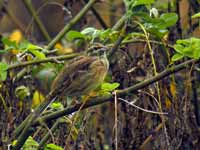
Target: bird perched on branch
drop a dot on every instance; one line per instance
(81, 76)
(78, 77)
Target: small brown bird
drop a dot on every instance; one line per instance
(78, 77)
(81, 76)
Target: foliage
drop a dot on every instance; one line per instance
(197, 15)
(144, 23)
(30, 144)
(187, 48)
(108, 88)
(130, 4)
(23, 46)
(53, 147)
(3, 71)
(57, 106)
(37, 99)
(21, 92)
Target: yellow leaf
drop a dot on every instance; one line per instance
(62, 50)
(168, 103)
(165, 37)
(74, 133)
(37, 99)
(29, 57)
(15, 51)
(14, 142)
(58, 46)
(20, 105)
(173, 88)
(67, 50)
(16, 36)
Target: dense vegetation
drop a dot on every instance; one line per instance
(149, 98)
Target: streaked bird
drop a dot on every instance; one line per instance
(81, 76)
(78, 77)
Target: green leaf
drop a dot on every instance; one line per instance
(177, 56)
(142, 2)
(88, 31)
(30, 144)
(3, 71)
(170, 19)
(92, 33)
(57, 106)
(37, 53)
(104, 34)
(2, 51)
(6, 41)
(109, 86)
(197, 15)
(52, 147)
(33, 47)
(188, 47)
(130, 4)
(22, 92)
(23, 45)
(196, 53)
(72, 35)
(178, 48)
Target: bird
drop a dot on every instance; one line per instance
(81, 76)
(78, 77)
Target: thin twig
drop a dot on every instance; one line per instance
(43, 30)
(116, 121)
(71, 24)
(150, 137)
(45, 60)
(46, 137)
(145, 110)
(98, 17)
(144, 41)
(150, 95)
(12, 16)
(118, 42)
(4, 103)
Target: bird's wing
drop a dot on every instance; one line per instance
(71, 74)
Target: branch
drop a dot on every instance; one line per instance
(131, 89)
(50, 59)
(48, 134)
(144, 41)
(118, 42)
(71, 23)
(98, 16)
(13, 17)
(29, 7)
(120, 23)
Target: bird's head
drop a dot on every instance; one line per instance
(101, 53)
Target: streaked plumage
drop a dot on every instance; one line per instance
(78, 77)
(81, 76)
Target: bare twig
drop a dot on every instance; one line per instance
(145, 110)
(98, 17)
(45, 60)
(37, 19)
(116, 121)
(150, 137)
(71, 23)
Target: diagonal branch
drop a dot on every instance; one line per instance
(71, 23)
(131, 89)
(45, 60)
(42, 28)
